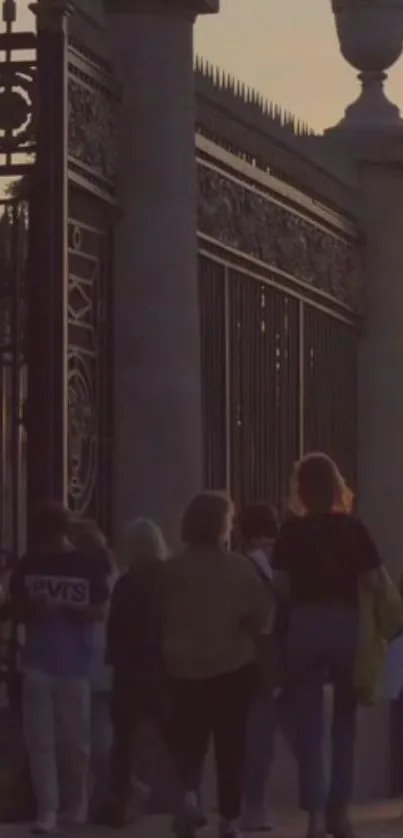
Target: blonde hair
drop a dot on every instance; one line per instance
(317, 485)
(144, 544)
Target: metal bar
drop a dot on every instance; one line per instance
(276, 283)
(94, 72)
(3, 453)
(15, 381)
(274, 190)
(301, 380)
(12, 41)
(227, 350)
(47, 408)
(82, 182)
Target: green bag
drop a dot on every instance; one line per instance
(380, 621)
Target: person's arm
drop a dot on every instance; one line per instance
(25, 607)
(95, 610)
(113, 625)
(258, 602)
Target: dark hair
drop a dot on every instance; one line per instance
(204, 519)
(50, 520)
(90, 540)
(257, 520)
(320, 485)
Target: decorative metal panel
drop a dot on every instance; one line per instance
(246, 219)
(89, 367)
(285, 331)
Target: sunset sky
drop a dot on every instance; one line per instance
(288, 50)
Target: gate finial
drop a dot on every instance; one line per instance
(9, 12)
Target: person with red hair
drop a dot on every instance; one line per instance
(322, 556)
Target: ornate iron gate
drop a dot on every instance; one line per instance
(279, 291)
(17, 150)
(56, 259)
(57, 177)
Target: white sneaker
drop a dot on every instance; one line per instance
(46, 825)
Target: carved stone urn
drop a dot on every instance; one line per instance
(370, 34)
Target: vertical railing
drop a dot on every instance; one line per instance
(47, 327)
(279, 380)
(212, 303)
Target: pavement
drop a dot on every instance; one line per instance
(373, 820)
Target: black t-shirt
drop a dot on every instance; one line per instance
(324, 557)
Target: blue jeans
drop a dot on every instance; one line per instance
(101, 743)
(266, 716)
(322, 647)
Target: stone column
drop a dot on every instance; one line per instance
(380, 405)
(371, 135)
(157, 445)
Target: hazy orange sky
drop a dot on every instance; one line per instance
(288, 50)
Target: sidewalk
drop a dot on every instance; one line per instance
(374, 820)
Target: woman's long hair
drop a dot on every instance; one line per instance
(144, 545)
(317, 486)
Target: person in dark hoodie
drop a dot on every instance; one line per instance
(134, 651)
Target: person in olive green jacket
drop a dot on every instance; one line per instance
(215, 606)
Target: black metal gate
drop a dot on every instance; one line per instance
(18, 96)
(279, 297)
(58, 102)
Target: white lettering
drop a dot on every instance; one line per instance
(66, 590)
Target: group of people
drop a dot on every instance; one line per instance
(208, 643)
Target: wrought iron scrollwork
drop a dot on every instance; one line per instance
(92, 128)
(18, 106)
(87, 303)
(242, 218)
(17, 98)
(82, 423)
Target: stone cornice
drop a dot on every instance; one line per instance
(376, 146)
(52, 15)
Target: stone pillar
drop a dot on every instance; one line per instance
(371, 134)
(380, 405)
(157, 445)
